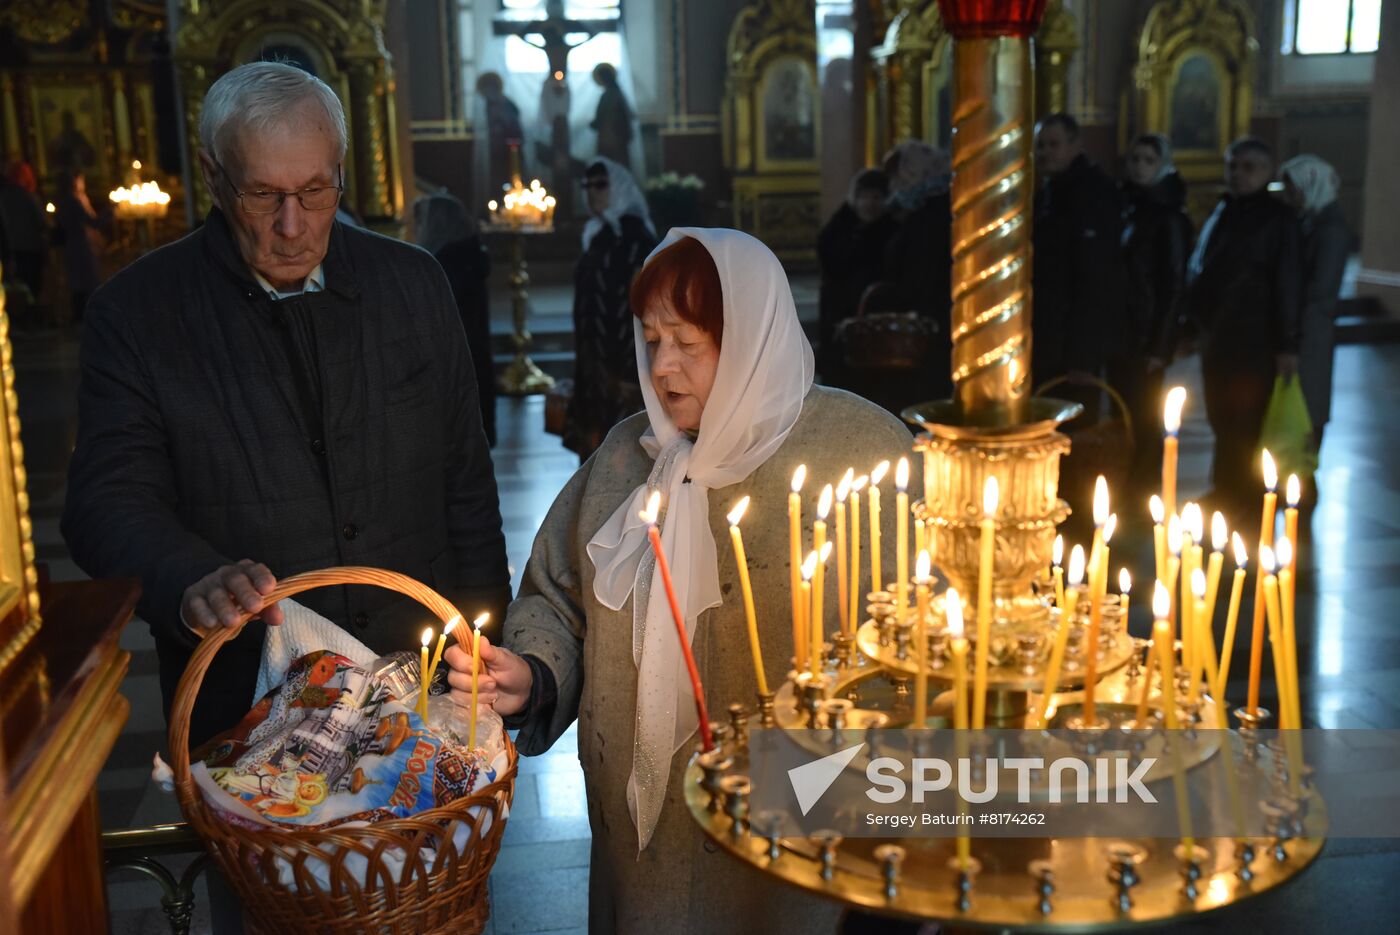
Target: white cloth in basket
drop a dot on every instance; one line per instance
(303, 631)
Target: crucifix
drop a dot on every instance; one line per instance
(552, 34)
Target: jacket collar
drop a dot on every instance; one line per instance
(338, 273)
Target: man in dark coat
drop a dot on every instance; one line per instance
(1243, 286)
(276, 393)
(1079, 277)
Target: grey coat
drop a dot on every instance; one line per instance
(333, 428)
(1326, 243)
(682, 883)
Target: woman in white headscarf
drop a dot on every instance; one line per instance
(616, 240)
(1310, 185)
(731, 411)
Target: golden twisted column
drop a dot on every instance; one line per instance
(991, 196)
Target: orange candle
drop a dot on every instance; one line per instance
(649, 515)
(1171, 421)
(1293, 492)
(1266, 538)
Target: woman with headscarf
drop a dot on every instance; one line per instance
(851, 252)
(731, 411)
(82, 231)
(443, 227)
(1310, 185)
(616, 240)
(1156, 241)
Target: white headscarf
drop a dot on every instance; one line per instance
(625, 197)
(1315, 179)
(764, 372)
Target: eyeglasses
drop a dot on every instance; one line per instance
(269, 202)
(598, 184)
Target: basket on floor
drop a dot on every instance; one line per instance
(444, 893)
(1097, 446)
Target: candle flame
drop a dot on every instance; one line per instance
(843, 489)
(1219, 531)
(451, 625)
(1100, 501)
(1284, 552)
(922, 566)
(1057, 551)
(824, 503)
(1125, 581)
(1270, 471)
(879, 473)
(809, 566)
(825, 553)
(737, 513)
(136, 164)
(1174, 535)
(1198, 583)
(1076, 566)
(1161, 601)
(1267, 561)
(427, 635)
(859, 483)
(1171, 411)
(991, 495)
(901, 474)
(1241, 556)
(799, 477)
(1110, 527)
(653, 508)
(1193, 522)
(1294, 491)
(49, 207)
(1155, 507)
(481, 620)
(491, 205)
(953, 610)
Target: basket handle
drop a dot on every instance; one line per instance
(188, 690)
(1108, 391)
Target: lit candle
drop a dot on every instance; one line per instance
(1057, 554)
(441, 645)
(1057, 652)
(957, 645)
(1219, 538)
(1159, 536)
(921, 541)
(1197, 661)
(901, 535)
(1171, 421)
(1098, 571)
(1285, 554)
(809, 569)
(649, 515)
(1266, 537)
(1268, 566)
(990, 496)
(1125, 589)
(922, 566)
(1173, 563)
(1162, 637)
(1232, 615)
(477, 624)
(1100, 518)
(1293, 492)
(856, 592)
(1205, 652)
(746, 586)
(843, 611)
(877, 581)
(423, 675)
(799, 636)
(1161, 643)
(1192, 523)
(819, 544)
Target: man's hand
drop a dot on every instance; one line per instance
(222, 597)
(503, 682)
(1287, 365)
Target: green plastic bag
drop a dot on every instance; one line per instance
(1287, 431)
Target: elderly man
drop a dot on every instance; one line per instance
(274, 393)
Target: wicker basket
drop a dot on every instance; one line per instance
(446, 894)
(1104, 446)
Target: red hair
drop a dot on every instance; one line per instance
(685, 277)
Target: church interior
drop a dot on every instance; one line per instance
(555, 136)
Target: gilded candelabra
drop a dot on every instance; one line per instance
(521, 211)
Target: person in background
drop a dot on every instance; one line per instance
(616, 241)
(851, 252)
(1310, 186)
(1156, 241)
(503, 128)
(26, 231)
(1078, 274)
(613, 120)
(81, 230)
(1244, 285)
(442, 226)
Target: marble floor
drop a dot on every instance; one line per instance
(1349, 648)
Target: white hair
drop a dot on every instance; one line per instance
(260, 95)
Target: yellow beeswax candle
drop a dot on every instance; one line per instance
(1057, 652)
(1159, 537)
(477, 624)
(799, 636)
(1171, 422)
(877, 581)
(921, 618)
(1289, 631)
(423, 674)
(1232, 614)
(856, 592)
(1266, 538)
(819, 544)
(843, 610)
(809, 568)
(987, 557)
(441, 645)
(1293, 492)
(740, 559)
(901, 535)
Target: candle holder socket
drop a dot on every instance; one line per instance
(1123, 861)
(891, 858)
(1191, 858)
(765, 709)
(964, 879)
(713, 764)
(736, 791)
(827, 843)
(769, 825)
(1244, 857)
(739, 725)
(1042, 871)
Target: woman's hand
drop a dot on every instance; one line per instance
(504, 680)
